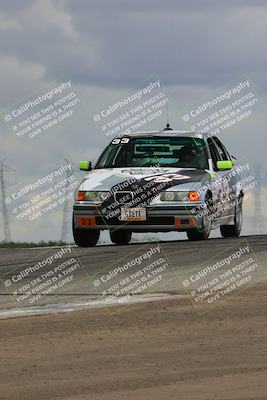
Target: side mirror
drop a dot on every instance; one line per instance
(85, 165)
(224, 165)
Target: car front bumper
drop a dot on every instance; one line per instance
(159, 219)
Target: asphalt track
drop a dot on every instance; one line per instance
(150, 350)
(183, 257)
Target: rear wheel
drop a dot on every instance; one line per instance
(85, 237)
(204, 232)
(234, 230)
(120, 237)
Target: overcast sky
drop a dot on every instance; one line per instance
(107, 47)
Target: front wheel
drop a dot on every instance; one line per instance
(234, 230)
(85, 237)
(204, 232)
(120, 237)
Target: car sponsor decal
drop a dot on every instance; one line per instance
(140, 192)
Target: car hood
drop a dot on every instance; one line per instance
(106, 179)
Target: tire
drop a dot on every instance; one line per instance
(196, 234)
(85, 237)
(234, 230)
(120, 237)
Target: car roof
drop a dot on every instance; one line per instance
(167, 132)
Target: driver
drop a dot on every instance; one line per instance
(186, 155)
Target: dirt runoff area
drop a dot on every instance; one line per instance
(148, 351)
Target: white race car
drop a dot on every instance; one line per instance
(158, 182)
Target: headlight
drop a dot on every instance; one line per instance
(170, 196)
(94, 197)
(179, 196)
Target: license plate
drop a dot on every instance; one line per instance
(133, 214)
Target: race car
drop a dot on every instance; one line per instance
(161, 181)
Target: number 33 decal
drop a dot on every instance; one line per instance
(120, 141)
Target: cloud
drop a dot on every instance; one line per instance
(16, 75)
(7, 23)
(44, 15)
(119, 43)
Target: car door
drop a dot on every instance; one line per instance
(229, 180)
(217, 184)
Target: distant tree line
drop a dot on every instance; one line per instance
(32, 244)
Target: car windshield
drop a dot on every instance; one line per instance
(181, 152)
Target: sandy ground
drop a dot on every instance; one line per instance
(158, 350)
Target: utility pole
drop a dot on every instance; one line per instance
(258, 214)
(64, 229)
(3, 168)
